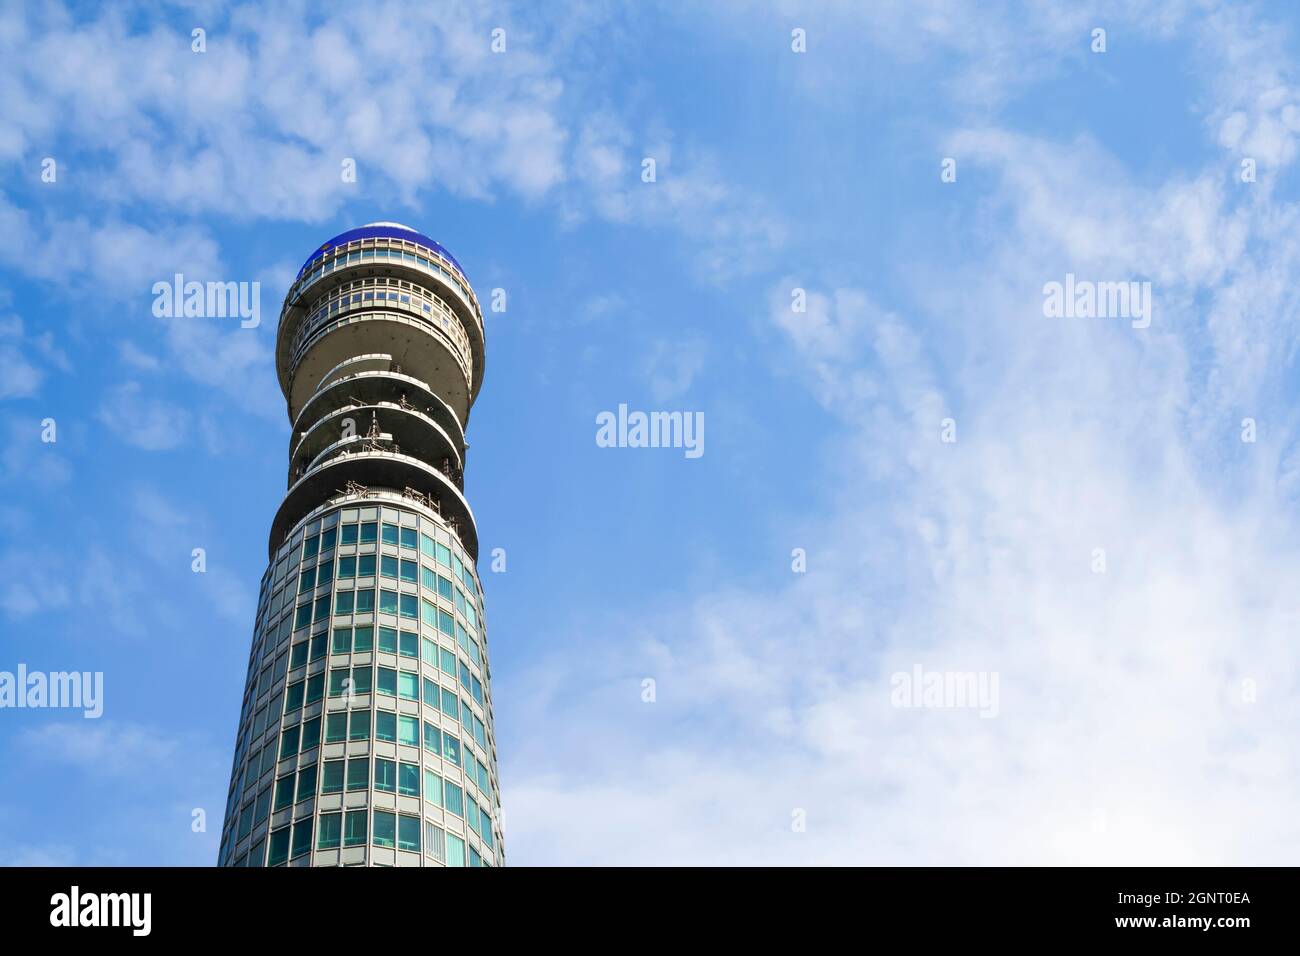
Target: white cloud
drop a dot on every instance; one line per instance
(147, 423)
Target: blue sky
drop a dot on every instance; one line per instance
(1146, 711)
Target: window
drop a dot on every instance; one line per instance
(408, 731)
(338, 681)
(388, 640)
(368, 531)
(331, 780)
(409, 606)
(455, 851)
(451, 748)
(360, 725)
(364, 639)
(349, 534)
(365, 601)
(310, 546)
(433, 788)
(408, 779)
(298, 655)
(322, 610)
(408, 833)
(388, 566)
(361, 678)
(366, 566)
(450, 703)
(431, 695)
(390, 534)
(432, 739)
(410, 571)
(343, 602)
(385, 828)
(279, 847)
(444, 555)
(385, 775)
(385, 725)
(336, 727)
(327, 539)
(485, 827)
(348, 567)
(342, 643)
(428, 579)
(310, 733)
(428, 613)
(354, 828)
(324, 573)
(448, 661)
(408, 645)
(446, 623)
(306, 783)
(284, 792)
(429, 652)
(289, 742)
(387, 602)
(453, 798)
(426, 546)
(388, 681)
(358, 773)
(315, 688)
(408, 685)
(307, 581)
(318, 643)
(301, 837)
(331, 831)
(293, 696)
(302, 617)
(409, 536)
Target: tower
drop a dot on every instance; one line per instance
(366, 733)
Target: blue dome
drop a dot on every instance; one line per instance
(382, 230)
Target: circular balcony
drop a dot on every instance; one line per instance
(418, 348)
(356, 473)
(368, 379)
(411, 430)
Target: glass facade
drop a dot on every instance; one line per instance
(366, 734)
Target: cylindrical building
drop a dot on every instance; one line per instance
(366, 734)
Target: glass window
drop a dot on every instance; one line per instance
(428, 579)
(279, 847)
(453, 798)
(342, 643)
(344, 602)
(450, 703)
(388, 566)
(448, 661)
(298, 655)
(289, 742)
(302, 617)
(364, 639)
(408, 730)
(284, 792)
(444, 587)
(388, 681)
(293, 696)
(310, 734)
(433, 842)
(361, 679)
(301, 837)
(327, 539)
(366, 566)
(331, 780)
(426, 545)
(451, 748)
(336, 727)
(408, 685)
(429, 652)
(446, 623)
(358, 773)
(390, 534)
(354, 828)
(385, 725)
(306, 581)
(432, 739)
(388, 640)
(408, 779)
(408, 833)
(263, 809)
(444, 555)
(365, 603)
(409, 536)
(368, 532)
(410, 571)
(338, 681)
(409, 606)
(385, 827)
(387, 602)
(348, 567)
(360, 725)
(385, 775)
(431, 695)
(315, 688)
(409, 644)
(433, 788)
(349, 535)
(428, 613)
(318, 645)
(324, 573)
(306, 783)
(455, 851)
(331, 831)
(310, 546)
(322, 610)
